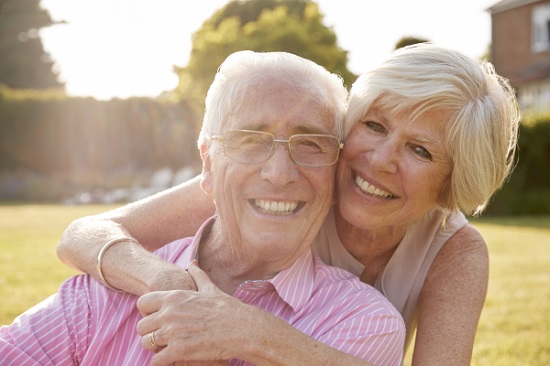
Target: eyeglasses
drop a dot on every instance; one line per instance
(309, 150)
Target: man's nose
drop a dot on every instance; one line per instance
(279, 169)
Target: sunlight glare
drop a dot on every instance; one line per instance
(128, 48)
(123, 48)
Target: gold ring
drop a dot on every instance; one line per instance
(152, 340)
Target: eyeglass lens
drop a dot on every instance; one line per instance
(305, 149)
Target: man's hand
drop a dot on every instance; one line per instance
(190, 326)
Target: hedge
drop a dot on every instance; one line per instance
(528, 190)
(83, 143)
(86, 143)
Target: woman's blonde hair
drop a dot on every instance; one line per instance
(481, 108)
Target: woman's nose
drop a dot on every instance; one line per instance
(384, 156)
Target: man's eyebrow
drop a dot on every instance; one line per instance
(308, 130)
(301, 129)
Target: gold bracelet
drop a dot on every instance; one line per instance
(100, 257)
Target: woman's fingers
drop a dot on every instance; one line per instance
(200, 277)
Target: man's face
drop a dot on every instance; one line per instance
(274, 208)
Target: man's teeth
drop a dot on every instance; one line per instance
(369, 188)
(276, 207)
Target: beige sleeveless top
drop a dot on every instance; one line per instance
(403, 277)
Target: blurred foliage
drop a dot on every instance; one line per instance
(528, 188)
(24, 63)
(407, 41)
(294, 26)
(82, 143)
(51, 144)
(487, 55)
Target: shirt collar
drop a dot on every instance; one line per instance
(296, 284)
(193, 248)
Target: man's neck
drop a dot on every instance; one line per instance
(228, 264)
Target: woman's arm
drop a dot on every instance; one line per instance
(451, 301)
(152, 222)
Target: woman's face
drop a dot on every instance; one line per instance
(392, 170)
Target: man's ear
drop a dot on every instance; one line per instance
(206, 182)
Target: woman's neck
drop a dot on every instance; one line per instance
(372, 248)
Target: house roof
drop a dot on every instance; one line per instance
(509, 4)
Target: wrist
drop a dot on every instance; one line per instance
(257, 343)
(99, 262)
(129, 267)
(167, 276)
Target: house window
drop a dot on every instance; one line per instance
(541, 28)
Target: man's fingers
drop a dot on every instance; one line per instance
(150, 303)
(152, 341)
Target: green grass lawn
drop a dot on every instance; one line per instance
(29, 268)
(515, 323)
(514, 327)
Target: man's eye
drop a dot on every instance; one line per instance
(252, 141)
(375, 126)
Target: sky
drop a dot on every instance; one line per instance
(124, 48)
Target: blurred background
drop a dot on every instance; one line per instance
(101, 101)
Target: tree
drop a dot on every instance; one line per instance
(294, 26)
(407, 41)
(487, 55)
(24, 63)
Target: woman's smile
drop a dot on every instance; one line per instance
(371, 189)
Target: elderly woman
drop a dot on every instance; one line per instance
(270, 140)
(431, 136)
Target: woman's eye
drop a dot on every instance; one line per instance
(375, 126)
(421, 152)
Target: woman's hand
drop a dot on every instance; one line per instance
(191, 326)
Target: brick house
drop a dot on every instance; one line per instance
(520, 32)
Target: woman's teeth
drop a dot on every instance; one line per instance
(276, 207)
(366, 187)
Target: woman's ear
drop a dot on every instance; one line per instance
(206, 182)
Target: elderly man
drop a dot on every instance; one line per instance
(271, 135)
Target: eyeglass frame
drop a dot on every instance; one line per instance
(222, 137)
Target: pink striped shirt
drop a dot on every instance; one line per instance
(87, 324)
